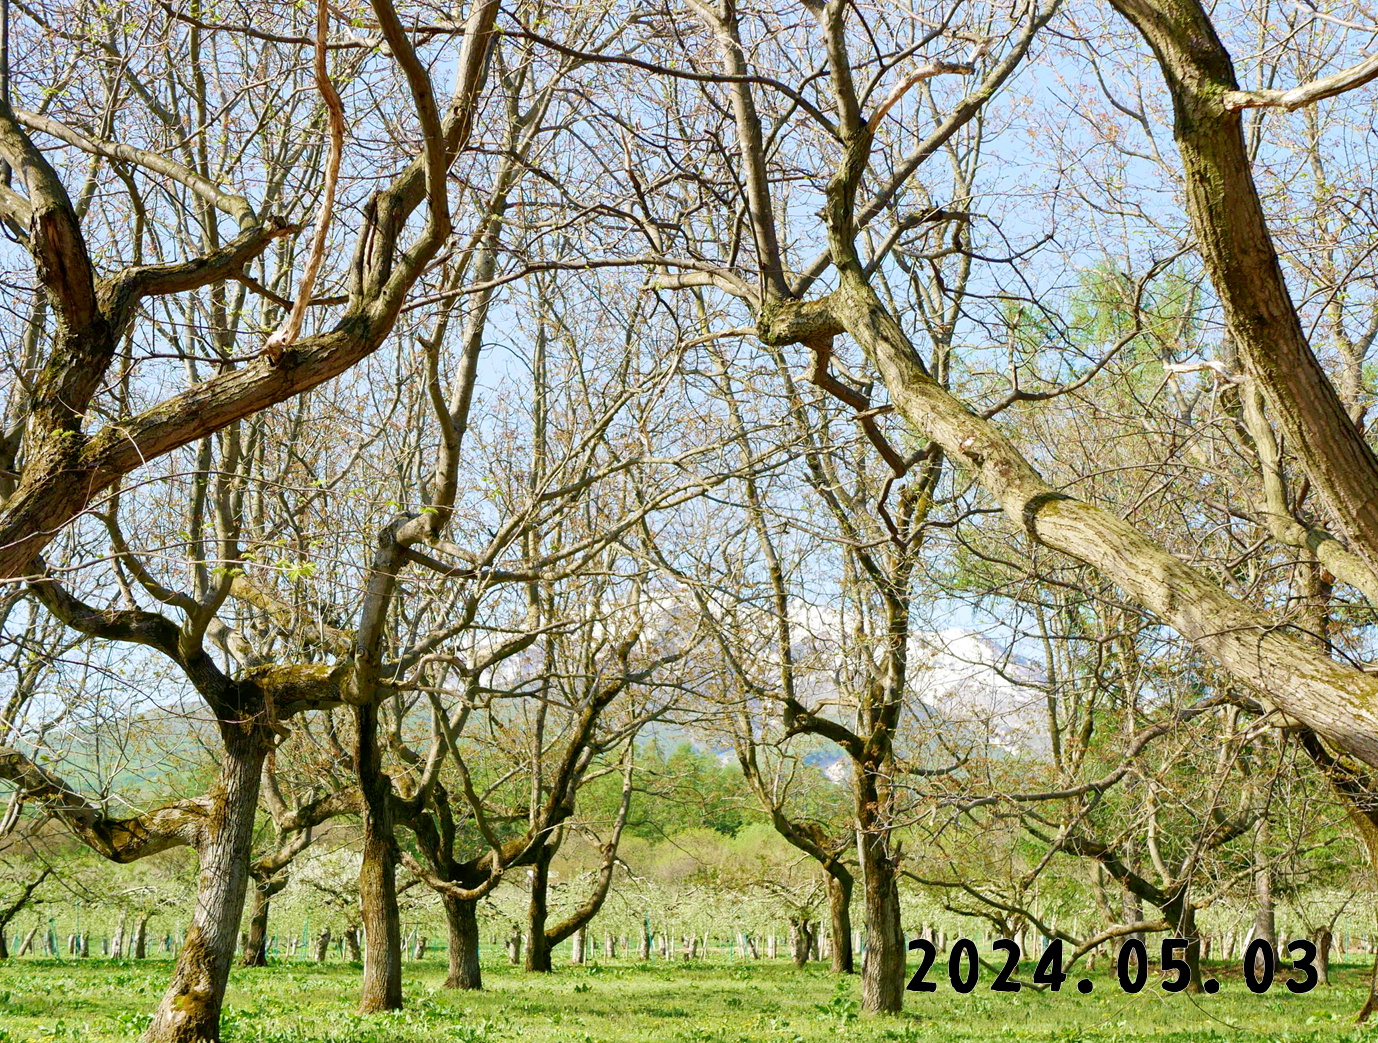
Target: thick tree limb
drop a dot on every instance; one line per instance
(1305, 93)
(1238, 253)
(120, 840)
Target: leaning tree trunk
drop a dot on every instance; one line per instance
(537, 944)
(1356, 792)
(882, 969)
(190, 1009)
(382, 985)
(840, 919)
(256, 945)
(462, 917)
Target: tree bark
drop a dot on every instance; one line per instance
(537, 945)
(256, 944)
(1183, 915)
(190, 1009)
(140, 943)
(799, 941)
(382, 984)
(462, 917)
(1324, 940)
(1265, 919)
(840, 920)
(882, 968)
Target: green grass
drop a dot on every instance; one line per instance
(622, 1002)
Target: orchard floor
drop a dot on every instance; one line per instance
(45, 1000)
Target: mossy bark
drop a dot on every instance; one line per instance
(840, 919)
(537, 944)
(462, 917)
(382, 983)
(190, 1009)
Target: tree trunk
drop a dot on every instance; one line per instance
(1324, 940)
(644, 951)
(462, 917)
(609, 947)
(799, 939)
(1265, 918)
(323, 945)
(190, 1009)
(382, 985)
(514, 947)
(1265, 922)
(537, 946)
(882, 968)
(351, 941)
(576, 944)
(140, 943)
(1132, 907)
(419, 953)
(1372, 1001)
(28, 943)
(117, 943)
(1184, 917)
(256, 944)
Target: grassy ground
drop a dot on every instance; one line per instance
(678, 1003)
